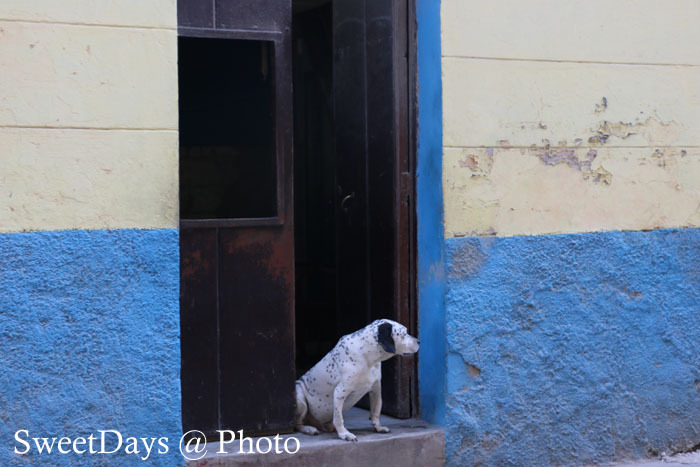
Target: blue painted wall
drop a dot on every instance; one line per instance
(572, 348)
(431, 280)
(89, 339)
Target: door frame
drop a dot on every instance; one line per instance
(406, 93)
(410, 187)
(406, 87)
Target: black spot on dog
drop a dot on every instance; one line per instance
(385, 339)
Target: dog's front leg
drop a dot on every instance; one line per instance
(339, 395)
(375, 407)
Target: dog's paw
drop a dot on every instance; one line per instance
(347, 436)
(381, 429)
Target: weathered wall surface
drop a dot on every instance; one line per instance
(89, 340)
(578, 119)
(572, 349)
(89, 329)
(88, 115)
(558, 114)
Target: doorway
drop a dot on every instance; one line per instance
(296, 227)
(354, 179)
(353, 182)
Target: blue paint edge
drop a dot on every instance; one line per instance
(90, 339)
(432, 363)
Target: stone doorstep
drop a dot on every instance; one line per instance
(677, 460)
(411, 442)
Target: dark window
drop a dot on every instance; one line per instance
(227, 138)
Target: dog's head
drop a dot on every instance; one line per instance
(395, 339)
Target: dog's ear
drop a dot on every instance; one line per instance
(385, 339)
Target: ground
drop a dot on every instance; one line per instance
(688, 458)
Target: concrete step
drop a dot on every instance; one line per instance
(411, 442)
(677, 460)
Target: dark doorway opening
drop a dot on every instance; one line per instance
(317, 324)
(353, 179)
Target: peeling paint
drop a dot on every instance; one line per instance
(583, 164)
(515, 184)
(600, 108)
(653, 130)
(473, 371)
(479, 163)
(553, 157)
(666, 156)
(470, 162)
(600, 175)
(468, 259)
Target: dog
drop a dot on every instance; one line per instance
(346, 374)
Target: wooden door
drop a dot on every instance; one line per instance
(374, 177)
(236, 227)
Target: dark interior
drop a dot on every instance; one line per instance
(227, 139)
(314, 184)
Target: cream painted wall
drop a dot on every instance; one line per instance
(88, 114)
(570, 116)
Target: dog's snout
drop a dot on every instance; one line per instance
(418, 341)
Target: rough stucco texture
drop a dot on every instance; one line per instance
(572, 349)
(89, 339)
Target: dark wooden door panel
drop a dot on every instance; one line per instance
(256, 325)
(250, 15)
(198, 330)
(237, 273)
(350, 122)
(262, 15)
(195, 14)
(374, 176)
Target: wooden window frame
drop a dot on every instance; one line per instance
(275, 38)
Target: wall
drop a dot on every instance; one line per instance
(89, 315)
(571, 183)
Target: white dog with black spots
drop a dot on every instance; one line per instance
(346, 374)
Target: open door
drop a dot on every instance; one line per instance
(374, 214)
(236, 220)
(353, 179)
